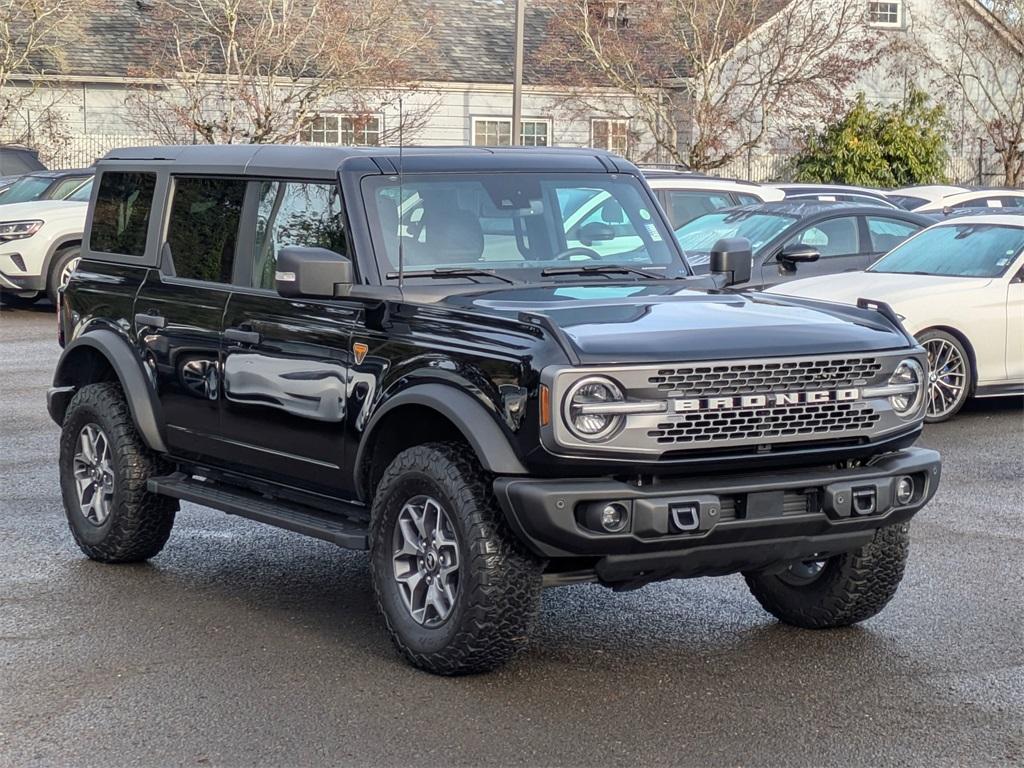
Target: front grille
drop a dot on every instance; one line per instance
(756, 378)
(765, 423)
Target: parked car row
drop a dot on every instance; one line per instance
(805, 239)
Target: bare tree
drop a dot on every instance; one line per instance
(34, 38)
(260, 71)
(974, 55)
(707, 78)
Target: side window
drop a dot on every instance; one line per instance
(65, 187)
(1012, 202)
(121, 216)
(834, 237)
(685, 206)
(886, 233)
(744, 199)
(600, 225)
(295, 213)
(979, 202)
(203, 227)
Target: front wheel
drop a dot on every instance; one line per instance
(458, 592)
(838, 591)
(65, 262)
(949, 374)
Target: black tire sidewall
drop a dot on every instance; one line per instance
(78, 418)
(418, 638)
(968, 365)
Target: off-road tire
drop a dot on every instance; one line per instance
(139, 522)
(60, 259)
(851, 587)
(498, 595)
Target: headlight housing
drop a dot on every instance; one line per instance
(18, 230)
(588, 408)
(909, 377)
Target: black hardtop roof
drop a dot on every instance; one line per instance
(325, 162)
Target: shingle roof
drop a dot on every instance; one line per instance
(473, 41)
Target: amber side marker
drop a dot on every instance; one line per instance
(545, 405)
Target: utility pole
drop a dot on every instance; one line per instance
(517, 81)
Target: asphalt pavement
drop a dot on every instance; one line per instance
(242, 645)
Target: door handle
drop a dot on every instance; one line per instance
(154, 321)
(243, 337)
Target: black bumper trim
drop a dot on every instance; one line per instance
(544, 512)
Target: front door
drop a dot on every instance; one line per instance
(838, 242)
(179, 311)
(286, 361)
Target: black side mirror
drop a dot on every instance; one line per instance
(310, 272)
(795, 254)
(595, 232)
(732, 257)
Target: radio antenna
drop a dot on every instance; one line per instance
(401, 196)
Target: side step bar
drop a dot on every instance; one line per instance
(345, 531)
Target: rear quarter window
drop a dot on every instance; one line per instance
(120, 218)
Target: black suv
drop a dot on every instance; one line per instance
(455, 359)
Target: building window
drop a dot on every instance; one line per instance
(348, 130)
(885, 14)
(610, 14)
(612, 135)
(497, 132)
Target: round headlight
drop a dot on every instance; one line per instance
(590, 423)
(908, 373)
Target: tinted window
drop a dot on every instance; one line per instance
(65, 187)
(886, 234)
(908, 202)
(121, 216)
(203, 227)
(835, 237)
(979, 202)
(295, 213)
(1012, 202)
(687, 205)
(957, 250)
(744, 199)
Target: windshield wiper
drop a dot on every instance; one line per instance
(596, 269)
(443, 272)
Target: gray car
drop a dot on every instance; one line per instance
(791, 239)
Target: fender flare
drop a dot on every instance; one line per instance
(142, 400)
(469, 416)
(63, 241)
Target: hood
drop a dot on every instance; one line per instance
(892, 288)
(37, 209)
(671, 321)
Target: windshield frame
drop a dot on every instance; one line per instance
(677, 266)
(944, 225)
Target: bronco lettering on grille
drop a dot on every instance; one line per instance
(770, 400)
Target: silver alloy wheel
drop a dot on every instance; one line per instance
(426, 560)
(947, 376)
(65, 273)
(94, 474)
(803, 572)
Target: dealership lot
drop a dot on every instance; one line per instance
(243, 645)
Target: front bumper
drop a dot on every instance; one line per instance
(732, 523)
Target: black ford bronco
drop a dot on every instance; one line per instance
(493, 369)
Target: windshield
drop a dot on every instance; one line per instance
(82, 193)
(27, 188)
(511, 222)
(699, 236)
(956, 250)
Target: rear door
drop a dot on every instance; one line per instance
(883, 233)
(180, 309)
(287, 361)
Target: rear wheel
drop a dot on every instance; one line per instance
(838, 591)
(104, 467)
(949, 374)
(458, 592)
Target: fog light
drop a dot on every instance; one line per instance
(614, 518)
(904, 490)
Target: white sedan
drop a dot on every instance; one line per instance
(959, 287)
